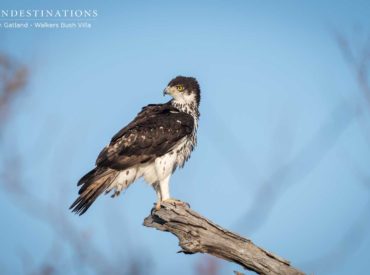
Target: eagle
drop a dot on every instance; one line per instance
(159, 139)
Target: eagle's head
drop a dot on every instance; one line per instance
(184, 90)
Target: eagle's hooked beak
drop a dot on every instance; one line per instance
(166, 91)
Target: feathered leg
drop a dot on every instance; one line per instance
(162, 190)
(158, 193)
(164, 186)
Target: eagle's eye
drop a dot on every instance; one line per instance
(180, 88)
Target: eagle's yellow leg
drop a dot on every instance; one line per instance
(158, 205)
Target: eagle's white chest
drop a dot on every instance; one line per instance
(164, 166)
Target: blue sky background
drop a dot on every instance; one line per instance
(271, 75)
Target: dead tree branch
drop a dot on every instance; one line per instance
(200, 235)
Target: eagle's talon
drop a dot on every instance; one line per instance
(158, 206)
(176, 202)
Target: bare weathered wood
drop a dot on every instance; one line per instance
(197, 234)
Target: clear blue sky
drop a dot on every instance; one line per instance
(271, 75)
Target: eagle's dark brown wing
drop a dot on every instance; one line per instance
(154, 132)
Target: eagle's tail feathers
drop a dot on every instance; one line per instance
(94, 183)
(87, 176)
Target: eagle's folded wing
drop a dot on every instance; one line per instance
(155, 131)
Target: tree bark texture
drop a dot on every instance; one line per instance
(197, 234)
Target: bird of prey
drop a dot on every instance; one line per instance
(159, 139)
